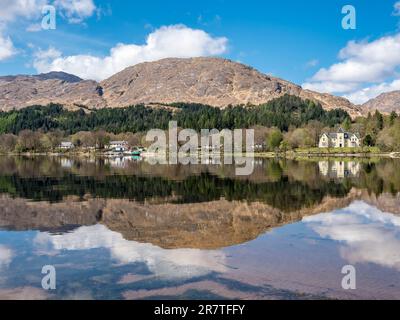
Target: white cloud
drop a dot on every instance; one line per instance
(364, 62)
(368, 235)
(73, 10)
(176, 41)
(51, 53)
(368, 93)
(330, 86)
(76, 10)
(363, 67)
(170, 264)
(7, 49)
(6, 256)
(12, 9)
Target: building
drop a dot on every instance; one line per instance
(66, 145)
(118, 146)
(340, 139)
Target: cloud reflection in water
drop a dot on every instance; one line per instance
(169, 264)
(368, 234)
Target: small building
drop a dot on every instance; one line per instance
(67, 145)
(339, 139)
(118, 146)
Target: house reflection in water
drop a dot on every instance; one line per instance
(66, 163)
(339, 169)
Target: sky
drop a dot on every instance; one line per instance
(300, 41)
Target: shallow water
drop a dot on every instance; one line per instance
(123, 229)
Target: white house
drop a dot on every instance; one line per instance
(340, 139)
(66, 145)
(118, 146)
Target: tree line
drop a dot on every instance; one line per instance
(282, 113)
(285, 123)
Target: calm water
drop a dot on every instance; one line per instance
(123, 229)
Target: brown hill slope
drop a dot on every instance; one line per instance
(213, 81)
(385, 103)
(17, 92)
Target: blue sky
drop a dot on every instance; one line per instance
(290, 39)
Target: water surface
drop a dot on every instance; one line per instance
(123, 229)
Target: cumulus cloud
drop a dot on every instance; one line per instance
(44, 57)
(365, 94)
(363, 65)
(12, 9)
(368, 235)
(6, 256)
(176, 41)
(73, 10)
(76, 10)
(7, 49)
(169, 264)
(331, 87)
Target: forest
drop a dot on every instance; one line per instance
(287, 111)
(285, 123)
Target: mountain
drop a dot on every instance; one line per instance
(54, 75)
(213, 81)
(17, 92)
(385, 103)
(58, 76)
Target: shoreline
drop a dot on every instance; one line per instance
(266, 155)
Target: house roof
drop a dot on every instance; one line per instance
(333, 135)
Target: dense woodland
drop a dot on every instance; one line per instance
(281, 113)
(287, 122)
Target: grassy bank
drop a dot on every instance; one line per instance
(299, 154)
(340, 153)
(335, 151)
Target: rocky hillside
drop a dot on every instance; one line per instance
(17, 92)
(212, 81)
(385, 103)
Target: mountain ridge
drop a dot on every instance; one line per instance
(211, 81)
(385, 103)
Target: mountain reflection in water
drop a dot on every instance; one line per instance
(126, 229)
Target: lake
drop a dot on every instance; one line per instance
(124, 229)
